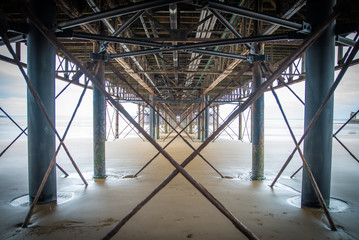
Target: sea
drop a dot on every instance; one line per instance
(82, 128)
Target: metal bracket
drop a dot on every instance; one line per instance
(307, 28)
(256, 57)
(99, 57)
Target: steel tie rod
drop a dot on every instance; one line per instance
(335, 136)
(305, 163)
(306, 44)
(316, 116)
(49, 35)
(179, 168)
(39, 101)
(198, 114)
(178, 133)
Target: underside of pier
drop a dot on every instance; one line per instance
(179, 62)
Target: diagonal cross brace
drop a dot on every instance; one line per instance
(340, 142)
(174, 129)
(316, 116)
(40, 103)
(179, 125)
(179, 168)
(305, 164)
(44, 180)
(183, 129)
(23, 131)
(305, 45)
(228, 126)
(50, 36)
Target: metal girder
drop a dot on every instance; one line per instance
(253, 15)
(249, 58)
(174, 26)
(24, 65)
(240, 109)
(98, 37)
(120, 61)
(121, 29)
(116, 12)
(88, 28)
(193, 47)
(314, 119)
(345, 41)
(18, 38)
(271, 29)
(229, 26)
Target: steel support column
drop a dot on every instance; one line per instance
(117, 124)
(99, 126)
(203, 121)
(319, 78)
(206, 119)
(257, 127)
(199, 127)
(191, 124)
(213, 119)
(240, 126)
(139, 114)
(41, 71)
(152, 120)
(157, 123)
(166, 125)
(143, 116)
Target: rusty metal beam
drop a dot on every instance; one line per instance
(168, 123)
(296, 7)
(43, 109)
(88, 28)
(305, 164)
(331, 91)
(179, 168)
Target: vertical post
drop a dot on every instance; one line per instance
(158, 123)
(99, 126)
(18, 50)
(206, 118)
(66, 75)
(199, 127)
(290, 78)
(214, 118)
(139, 115)
(143, 116)
(217, 117)
(303, 63)
(202, 122)
(41, 71)
(166, 125)
(117, 124)
(240, 126)
(152, 120)
(191, 125)
(340, 55)
(319, 78)
(257, 128)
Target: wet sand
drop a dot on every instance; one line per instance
(179, 211)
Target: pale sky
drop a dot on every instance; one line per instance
(13, 95)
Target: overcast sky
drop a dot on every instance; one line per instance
(13, 95)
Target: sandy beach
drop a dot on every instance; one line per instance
(179, 211)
